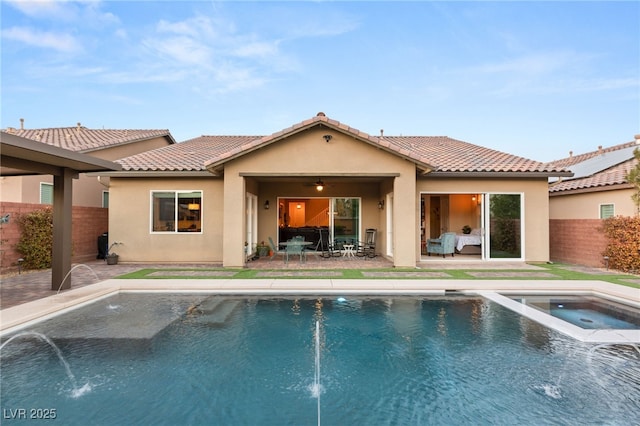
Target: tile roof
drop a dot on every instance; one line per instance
(189, 155)
(82, 139)
(440, 154)
(615, 174)
(452, 155)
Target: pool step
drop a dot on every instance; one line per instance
(215, 310)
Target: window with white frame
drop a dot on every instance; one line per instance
(46, 193)
(176, 211)
(606, 211)
(105, 199)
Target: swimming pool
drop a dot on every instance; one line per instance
(200, 359)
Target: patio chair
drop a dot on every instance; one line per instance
(326, 248)
(295, 250)
(444, 245)
(275, 249)
(368, 247)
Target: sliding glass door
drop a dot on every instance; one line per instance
(503, 226)
(345, 219)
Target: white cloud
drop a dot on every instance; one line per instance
(606, 84)
(198, 26)
(41, 8)
(533, 64)
(184, 50)
(256, 49)
(211, 51)
(84, 12)
(543, 73)
(44, 39)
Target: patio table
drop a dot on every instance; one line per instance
(302, 245)
(348, 250)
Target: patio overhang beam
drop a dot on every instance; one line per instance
(493, 175)
(316, 174)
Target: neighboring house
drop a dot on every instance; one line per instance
(23, 194)
(106, 144)
(598, 190)
(213, 198)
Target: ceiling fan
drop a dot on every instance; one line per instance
(319, 184)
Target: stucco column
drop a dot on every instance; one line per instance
(234, 220)
(405, 202)
(62, 211)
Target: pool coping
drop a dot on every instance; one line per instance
(22, 315)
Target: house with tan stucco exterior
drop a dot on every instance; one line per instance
(214, 198)
(578, 204)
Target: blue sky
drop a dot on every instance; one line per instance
(535, 79)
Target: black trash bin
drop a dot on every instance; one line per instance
(103, 246)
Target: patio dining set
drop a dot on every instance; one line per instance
(324, 247)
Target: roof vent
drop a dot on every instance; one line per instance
(637, 139)
(22, 124)
(78, 127)
(381, 133)
(570, 154)
(599, 149)
(321, 114)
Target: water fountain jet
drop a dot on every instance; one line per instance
(77, 391)
(316, 381)
(71, 270)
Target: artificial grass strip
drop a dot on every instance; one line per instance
(547, 272)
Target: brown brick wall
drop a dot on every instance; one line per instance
(577, 241)
(88, 223)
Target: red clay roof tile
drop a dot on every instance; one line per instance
(82, 139)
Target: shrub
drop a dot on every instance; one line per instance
(623, 243)
(36, 238)
(634, 178)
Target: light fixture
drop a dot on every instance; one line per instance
(327, 138)
(266, 205)
(193, 206)
(381, 204)
(299, 206)
(319, 185)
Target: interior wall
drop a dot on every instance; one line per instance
(463, 210)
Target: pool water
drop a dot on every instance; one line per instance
(588, 312)
(251, 361)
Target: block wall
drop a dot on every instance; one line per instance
(577, 241)
(88, 223)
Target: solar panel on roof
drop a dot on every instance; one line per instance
(601, 162)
